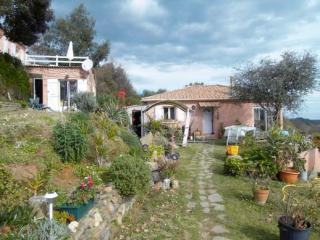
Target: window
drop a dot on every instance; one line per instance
(67, 91)
(260, 119)
(169, 113)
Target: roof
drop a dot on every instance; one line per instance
(193, 93)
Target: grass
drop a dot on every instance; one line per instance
(245, 219)
(164, 215)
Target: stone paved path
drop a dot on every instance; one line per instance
(211, 202)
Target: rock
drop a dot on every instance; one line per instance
(110, 207)
(191, 205)
(147, 139)
(73, 226)
(156, 176)
(218, 207)
(215, 197)
(218, 229)
(120, 214)
(157, 186)
(108, 189)
(97, 219)
(175, 184)
(166, 184)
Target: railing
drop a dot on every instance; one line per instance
(40, 60)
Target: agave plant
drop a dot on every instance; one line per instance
(115, 112)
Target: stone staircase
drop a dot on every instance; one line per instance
(6, 107)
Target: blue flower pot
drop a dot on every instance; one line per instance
(288, 232)
(77, 211)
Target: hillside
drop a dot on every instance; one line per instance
(305, 125)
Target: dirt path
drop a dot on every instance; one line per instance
(212, 221)
(195, 211)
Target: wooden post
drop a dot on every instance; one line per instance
(186, 129)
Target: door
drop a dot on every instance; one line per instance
(207, 121)
(38, 89)
(53, 94)
(136, 122)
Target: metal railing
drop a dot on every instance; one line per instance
(40, 60)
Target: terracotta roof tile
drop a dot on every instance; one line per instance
(195, 92)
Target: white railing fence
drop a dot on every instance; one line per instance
(36, 60)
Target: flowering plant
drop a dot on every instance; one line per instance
(83, 193)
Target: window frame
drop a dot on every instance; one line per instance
(266, 124)
(167, 113)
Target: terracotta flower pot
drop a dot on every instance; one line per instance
(289, 176)
(261, 195)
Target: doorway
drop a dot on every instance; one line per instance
(38, 89)
(207, 120)
(136, 122)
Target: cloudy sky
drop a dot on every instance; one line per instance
(169, 43)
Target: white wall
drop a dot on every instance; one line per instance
(159, 112)
(180, 115)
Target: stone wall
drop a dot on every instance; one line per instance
(101, 221)
(312, 158)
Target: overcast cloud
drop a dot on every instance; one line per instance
(170, 43)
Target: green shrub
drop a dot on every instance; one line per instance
(102, 123)
(130, 175)
(129, 138)
(69, 142)
(153, 125)
(82, 120)
(10, 196)
(114, 111)
(44, 229)
(234, 166)
(13, 78)
(85, 101)
(12, 199)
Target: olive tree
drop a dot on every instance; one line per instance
(277, 85)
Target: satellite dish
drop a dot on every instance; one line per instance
(87, 64)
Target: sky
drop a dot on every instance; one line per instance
(170, 43)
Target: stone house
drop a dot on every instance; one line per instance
(211, 107)
(53, 79)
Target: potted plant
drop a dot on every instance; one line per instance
(289, 157)
(81, 200)
(293, 224)
(261, 190)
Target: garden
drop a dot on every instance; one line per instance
(273, 166)
(89, 159)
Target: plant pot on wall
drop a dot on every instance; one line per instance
(261, 195)
(77, 211)
(288, 232)
(289, 175)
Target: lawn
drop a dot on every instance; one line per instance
(245, 219)
(165, 215)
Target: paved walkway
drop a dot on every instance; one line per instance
(211, 202)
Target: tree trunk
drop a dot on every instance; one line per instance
(279, 117)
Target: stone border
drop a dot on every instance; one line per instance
(98, 224)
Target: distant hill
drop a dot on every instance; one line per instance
(305, 125)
